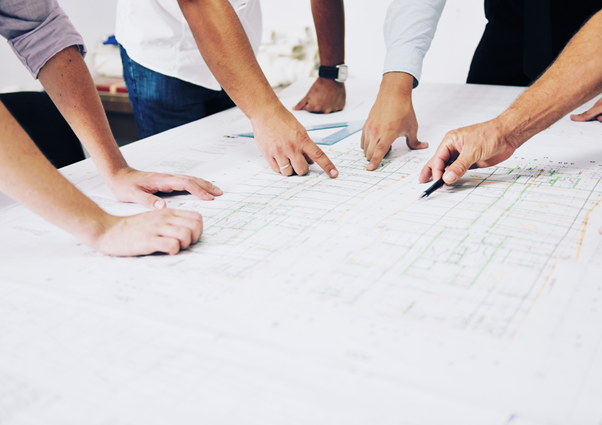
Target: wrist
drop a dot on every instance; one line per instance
(110, 165)
(327, 82)
(397, 84)
(513, 127)
(395, 91)
(337, 73)
(96, 226)
(269, 113)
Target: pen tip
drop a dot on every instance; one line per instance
(424, 195)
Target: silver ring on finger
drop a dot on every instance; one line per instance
(285, 167)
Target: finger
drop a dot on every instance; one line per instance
(588, 115)
(316, 109)
(299, 164)
(169, 246)
(182, 234)
(318, 156)
(191, 215)
(200, 188)
(460, 166)
(413, 142)
(376, 155)
(370, 148)
(194, 221)
(284, 166)
(369, 140)
(302, 103)
(192, 225)
(600, 230)
(425, 173)
(148, 200)
(273, 165)
(436, 165)
(308, 159)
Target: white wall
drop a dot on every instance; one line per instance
(448, 60)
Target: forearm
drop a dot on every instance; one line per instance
(329, 19)
(68, 82)
(28, 177)
(573, 79)
(225, 48)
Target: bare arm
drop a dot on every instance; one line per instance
(225, 48)
(28, 177)
(68, 82)
(326, 96)
(572, 80)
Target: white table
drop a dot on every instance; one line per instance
(314, 301)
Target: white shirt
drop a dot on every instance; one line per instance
(155, 34)
(410, 26)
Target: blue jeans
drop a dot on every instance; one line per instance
(161, 102)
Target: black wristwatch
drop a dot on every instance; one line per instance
(337, 73)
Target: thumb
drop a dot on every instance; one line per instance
(413, 142)
(149, 200)
(299, 106)
(587, 115)
(460, 166)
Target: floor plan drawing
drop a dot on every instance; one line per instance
(336, 292)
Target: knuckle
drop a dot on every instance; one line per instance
(318, 153)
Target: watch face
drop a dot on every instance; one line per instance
(342, 73)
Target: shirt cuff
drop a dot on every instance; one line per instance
(38, 46)
(405, 59)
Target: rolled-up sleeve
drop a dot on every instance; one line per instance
(37, 30)
(410, 26)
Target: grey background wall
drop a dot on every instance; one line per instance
(448, 60)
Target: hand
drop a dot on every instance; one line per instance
(595, 112)
(129, 185)
(166, 231)
(391, 117)
(324, 96)
(284, 143)
(476, 146)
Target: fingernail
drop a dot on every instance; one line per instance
(217, 189)
(450, 176)
(334, 173)
(159, 204)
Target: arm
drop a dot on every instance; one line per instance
(49, 46)
(409, 30)
(572, 80)
(220, 37)
(28, 177)
(326, 96)
(68, 82)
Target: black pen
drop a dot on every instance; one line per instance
(438, 184)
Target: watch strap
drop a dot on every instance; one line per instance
(328, 72)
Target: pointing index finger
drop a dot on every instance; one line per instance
(317, 155)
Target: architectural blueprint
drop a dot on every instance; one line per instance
(318, 300)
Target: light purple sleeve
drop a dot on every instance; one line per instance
(37, 30)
